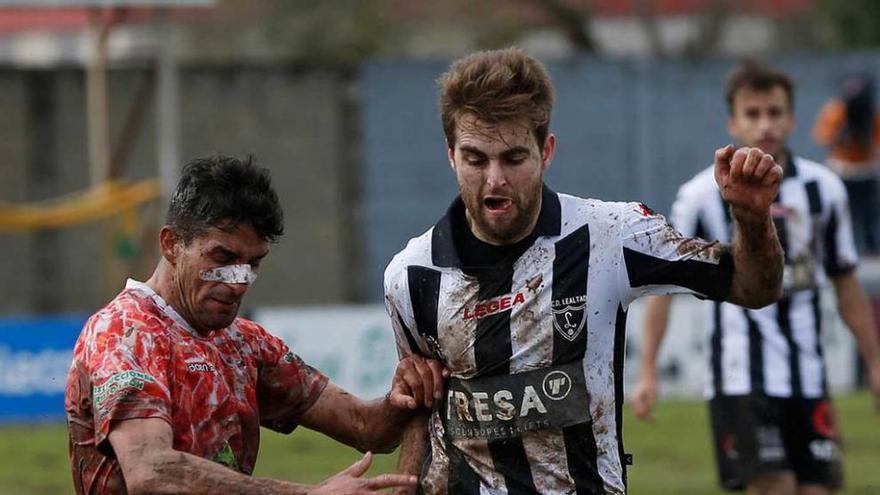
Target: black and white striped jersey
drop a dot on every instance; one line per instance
(775, 350)
(535, 342)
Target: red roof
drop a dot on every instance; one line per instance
(73, 19)
(531, 11)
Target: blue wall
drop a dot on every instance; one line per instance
(627, 131)
(35, 355)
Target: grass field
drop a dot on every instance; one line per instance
(672, 455)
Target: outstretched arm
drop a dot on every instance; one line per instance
(377, 425)
(749, 181)
(150, 465)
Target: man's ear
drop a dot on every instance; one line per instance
(170, 244)
(450, 154)
(548, 150)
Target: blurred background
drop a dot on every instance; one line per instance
(102, 102)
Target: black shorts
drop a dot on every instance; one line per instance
(756, 435)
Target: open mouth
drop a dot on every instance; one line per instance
(497, 204)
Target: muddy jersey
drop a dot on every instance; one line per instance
(535, 342)
(137, 358)
(775, 350)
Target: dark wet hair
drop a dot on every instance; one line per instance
(219, 190)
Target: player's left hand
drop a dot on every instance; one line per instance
(748, 179)
(417, 381)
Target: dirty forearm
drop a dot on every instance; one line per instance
(758, 261)
(174, 472)
(412, 447)
(381, 425)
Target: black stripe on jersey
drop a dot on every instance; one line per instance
(619, 358)
(462, 478)
(832, 261)
(783, 309)
(817, 315)
(783, 318)
(709, 279)
(424, 294)
(413, 345)
(492, 353)
(756, 354)
(715, 349)
(581, 453)
(700, 230)
(570, 270)
(492, 345)
(725, 207)
(813, 197)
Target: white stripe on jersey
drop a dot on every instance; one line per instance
(811, 252)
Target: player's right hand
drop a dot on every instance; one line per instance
(349, 482)
(644, 396)
(748, 179)
(417, 381)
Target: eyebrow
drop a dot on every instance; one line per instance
(471, 149)
(516, 150)
(235, 255)
(224, 251)
(508, 152)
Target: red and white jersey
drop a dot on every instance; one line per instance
(535, 342)
(137, 358)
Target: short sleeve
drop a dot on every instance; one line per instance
(399, 309)
(657, 259)
(287, 387)
(128, 370)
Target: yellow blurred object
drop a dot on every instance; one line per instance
(101, 201)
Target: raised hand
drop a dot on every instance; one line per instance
(748, 179)
(350, 482)
(417, 381)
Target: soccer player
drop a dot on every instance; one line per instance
(168, 387)
(774, 430)
(521, 292)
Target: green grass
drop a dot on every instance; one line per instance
(672, 455)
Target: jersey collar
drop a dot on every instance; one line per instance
(163, 306)
(443, 252)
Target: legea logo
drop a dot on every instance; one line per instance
(494, 306)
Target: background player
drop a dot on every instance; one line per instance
(773, 427)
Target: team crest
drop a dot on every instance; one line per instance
(569, 316)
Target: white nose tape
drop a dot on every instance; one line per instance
(229, 274)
